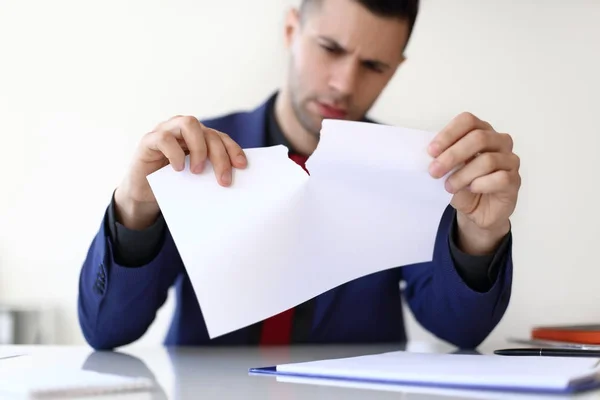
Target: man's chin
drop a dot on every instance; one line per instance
(312, 124)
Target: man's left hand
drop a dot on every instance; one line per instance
(485, 180)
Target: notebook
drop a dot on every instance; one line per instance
(458, 371)
(10, 353)
(584, 334)
(48, 383)
(406, 392)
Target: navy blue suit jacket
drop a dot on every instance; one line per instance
(117, 304)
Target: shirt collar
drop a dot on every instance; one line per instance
(274, 132)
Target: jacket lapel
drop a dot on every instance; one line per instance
(323, 308)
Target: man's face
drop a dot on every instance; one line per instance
(342, 57)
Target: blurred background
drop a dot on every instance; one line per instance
(81, 82)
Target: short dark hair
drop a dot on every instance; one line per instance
(402, 9)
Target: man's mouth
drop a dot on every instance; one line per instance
(329, 111)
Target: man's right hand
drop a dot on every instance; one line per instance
(169, 143)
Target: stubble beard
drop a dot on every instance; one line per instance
(299, 106)
(299, 109)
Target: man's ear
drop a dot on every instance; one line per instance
(292, 25)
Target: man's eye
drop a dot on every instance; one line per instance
(331, 49)
(373, 67)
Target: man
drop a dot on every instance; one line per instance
(342, 55)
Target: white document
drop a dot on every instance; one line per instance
(534, 374)
(61, 383)
(419, 392)
(278, 237)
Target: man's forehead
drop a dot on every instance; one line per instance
(355, 28)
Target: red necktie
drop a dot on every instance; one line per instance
(277, 330)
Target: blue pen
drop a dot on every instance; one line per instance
(548, 352)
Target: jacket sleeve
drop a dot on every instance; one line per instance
(116, 303)
(445, 305)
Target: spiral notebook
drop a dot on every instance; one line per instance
(49, 383)
(458, 371)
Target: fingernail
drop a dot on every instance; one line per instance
(226, 178)
(240, 160)
(435, 169)
(434, 149)
(198, 168)
(449, 187)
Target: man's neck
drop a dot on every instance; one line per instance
(299, 138)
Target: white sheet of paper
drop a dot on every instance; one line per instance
(278, 237)
(407, 391)
(477, 371)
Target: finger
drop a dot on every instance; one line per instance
(485, 164)
(477, 141)
(218, 157)
(458, 127)
(193, 133)
(184, 146)
(236, 153)
(496, 182)
(165, 142)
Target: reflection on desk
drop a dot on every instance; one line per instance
(222, 373)
(122, 364)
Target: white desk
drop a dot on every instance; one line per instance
(222, 373)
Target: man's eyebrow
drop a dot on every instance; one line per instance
(371, 62)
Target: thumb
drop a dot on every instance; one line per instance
(465, 201)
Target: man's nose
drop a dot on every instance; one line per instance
(345, 77)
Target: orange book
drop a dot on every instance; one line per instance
(585, 334)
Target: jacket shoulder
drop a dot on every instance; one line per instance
(246, 127)
(224, 121)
